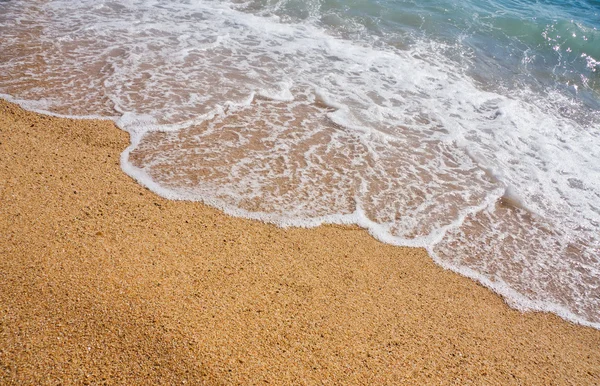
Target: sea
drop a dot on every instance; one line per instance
(469, 128)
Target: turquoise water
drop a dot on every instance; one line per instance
(544, 44)
(468, 128)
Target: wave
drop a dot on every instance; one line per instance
(274, 115)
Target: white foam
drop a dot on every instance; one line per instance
(514, 298)
(42, 106)
(402, 143)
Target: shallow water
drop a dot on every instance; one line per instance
(468, 128)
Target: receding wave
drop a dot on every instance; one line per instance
(301, 114)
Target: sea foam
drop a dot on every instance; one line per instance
(291, 121)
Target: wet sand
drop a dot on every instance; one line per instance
(103, 282)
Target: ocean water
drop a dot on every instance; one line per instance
(470, 128)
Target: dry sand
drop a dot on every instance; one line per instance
(103, 282)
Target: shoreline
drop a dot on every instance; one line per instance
(104, 281)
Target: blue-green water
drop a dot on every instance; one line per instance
(468, 128)
(543, 44)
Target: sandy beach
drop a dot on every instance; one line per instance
(104, 282)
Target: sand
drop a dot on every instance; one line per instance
(103, 282)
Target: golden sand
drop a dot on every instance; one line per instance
(103, 282)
